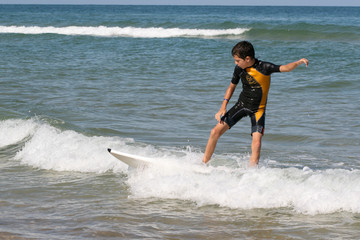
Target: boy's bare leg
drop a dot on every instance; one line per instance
(215, 134)
(255, 149)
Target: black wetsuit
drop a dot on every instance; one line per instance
(252, 100)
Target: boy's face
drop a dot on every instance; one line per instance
(243, 63)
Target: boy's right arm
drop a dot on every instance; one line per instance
(291, 66)
(228, 94)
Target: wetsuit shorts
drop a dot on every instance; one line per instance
(238, 111)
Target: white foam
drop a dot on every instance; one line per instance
(103, 31)
(307, 192)
(15, 130)
(54, 149)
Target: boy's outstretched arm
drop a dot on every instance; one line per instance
(291, 66)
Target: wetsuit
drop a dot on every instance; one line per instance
(252, 100)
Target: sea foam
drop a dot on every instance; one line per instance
(15, 130)
(135, 32)
(47, 147)
(306, 192)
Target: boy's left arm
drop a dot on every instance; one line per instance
(291, 66)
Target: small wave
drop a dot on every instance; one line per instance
(134, 32)
(47, 147)
(304, 190)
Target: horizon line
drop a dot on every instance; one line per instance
(199, 5)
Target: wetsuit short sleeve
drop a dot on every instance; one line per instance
(268, 68)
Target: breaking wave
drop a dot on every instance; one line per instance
(134, 32)
(304, 190)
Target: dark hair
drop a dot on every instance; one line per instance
(243, 49)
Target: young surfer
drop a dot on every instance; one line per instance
(254, 75)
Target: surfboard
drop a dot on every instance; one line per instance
(130, 159)
(134, 161)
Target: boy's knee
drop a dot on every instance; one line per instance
(215, 133)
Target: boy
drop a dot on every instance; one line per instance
(255, 77)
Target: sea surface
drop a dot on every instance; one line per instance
(148, 80)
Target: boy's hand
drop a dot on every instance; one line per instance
(304, 60)
(219, 115)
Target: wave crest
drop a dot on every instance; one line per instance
(104, 31)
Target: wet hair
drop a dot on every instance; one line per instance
(243, 49)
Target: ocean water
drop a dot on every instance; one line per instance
(148, 80)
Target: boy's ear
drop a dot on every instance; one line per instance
(248, 59)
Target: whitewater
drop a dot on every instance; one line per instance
(104, 31)
(305, 190)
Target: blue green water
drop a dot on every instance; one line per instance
(148, 80)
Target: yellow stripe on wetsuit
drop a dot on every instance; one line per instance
(264, 82)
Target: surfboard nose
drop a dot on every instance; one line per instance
(109, 149)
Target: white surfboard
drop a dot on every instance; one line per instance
(140, 162)
(131, 160)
